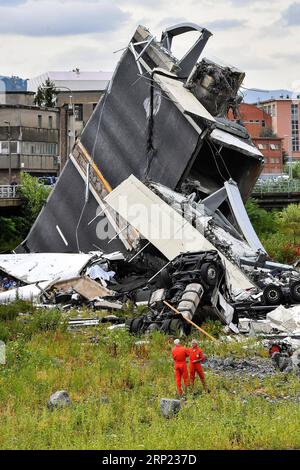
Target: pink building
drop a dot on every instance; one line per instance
(285, 113)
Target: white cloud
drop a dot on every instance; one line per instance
(61, 18)
(256, 36)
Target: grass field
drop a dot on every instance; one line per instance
(42, 357)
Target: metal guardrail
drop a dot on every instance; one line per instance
(288, 186)
(9, 192)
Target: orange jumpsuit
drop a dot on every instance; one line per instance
(180, 353)
(196, 354)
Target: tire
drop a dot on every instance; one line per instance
(134, 325)
(137, 325)
(295, 291)
(177, 327)
(209, 273)
(128, 324)
(273, 295)
(166, 326)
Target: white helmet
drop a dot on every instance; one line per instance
(177, 341)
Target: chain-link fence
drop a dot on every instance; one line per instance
(269, 186)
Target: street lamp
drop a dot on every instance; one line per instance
(9, 150)
(290, 140)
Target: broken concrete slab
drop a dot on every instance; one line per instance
(37, 267)
(285, 319)
(29, 293)
(100, 304)
(169, 407)
(176, 236)
(84, 286)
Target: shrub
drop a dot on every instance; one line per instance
(4, 333)
(280, 249)
(12, 310)
(46, 320)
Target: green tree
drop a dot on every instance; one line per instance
(289, 222)
(296, 170)
(34, 195)
(46, 95)
(267, 132)
(262, 221)
(13, 230)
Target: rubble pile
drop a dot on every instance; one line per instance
(7, 282)
(156, 185)
(254, 367)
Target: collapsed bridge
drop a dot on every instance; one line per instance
(160, 139)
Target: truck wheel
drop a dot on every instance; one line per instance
(273, 295)
(134, 325)
(295, 291)
(209, 273)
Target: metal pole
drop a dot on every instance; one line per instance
(9, 150)
(70, 106)
(190, 321)
(290, 158)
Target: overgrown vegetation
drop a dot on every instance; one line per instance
(14, 230)
(134, 378)
(21, 319)
(279, 231)
(295, 170)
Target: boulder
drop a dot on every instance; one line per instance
(59, 399)
(169, 407)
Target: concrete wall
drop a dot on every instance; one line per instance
(28, 116)
(24, 129)
(14, 98)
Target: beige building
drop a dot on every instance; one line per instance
(29, 141)
(42, 138)
(79, 93)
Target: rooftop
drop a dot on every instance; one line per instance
(76, 80)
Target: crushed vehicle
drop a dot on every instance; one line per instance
(159, 176)
(196, 284)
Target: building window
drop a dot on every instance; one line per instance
(295, 127)
(6, 147)
(78, 109)
(50, 122)
(263, 123)
(39, 148)
(40, 121)
(274, 146)
(263, 146)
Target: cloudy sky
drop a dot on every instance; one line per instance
(259, 36)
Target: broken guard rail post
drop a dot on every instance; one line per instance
(190, 321)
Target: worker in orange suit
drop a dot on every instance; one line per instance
(179, 354)
(196, 357)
